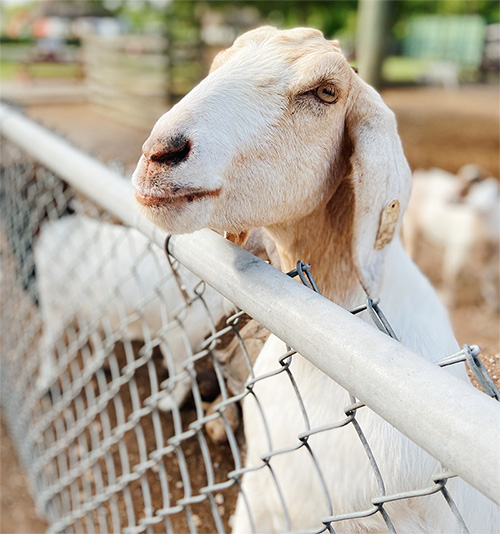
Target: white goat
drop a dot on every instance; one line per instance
(283, 134)
(108, 277)
(461, 215)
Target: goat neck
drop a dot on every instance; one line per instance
(324, 240)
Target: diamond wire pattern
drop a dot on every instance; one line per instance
(99, 452)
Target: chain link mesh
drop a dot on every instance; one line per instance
(122, 375)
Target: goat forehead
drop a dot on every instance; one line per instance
(267, 72)
(290, 58)
(291, 39)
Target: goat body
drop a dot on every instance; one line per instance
(463, 219)
(284, 135)
(110, 279)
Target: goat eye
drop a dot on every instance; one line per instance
(327, 94)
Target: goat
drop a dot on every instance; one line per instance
(234, 358)
(461, 215)
(94, 273)
(284, 135)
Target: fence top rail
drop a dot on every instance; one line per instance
(461, 427)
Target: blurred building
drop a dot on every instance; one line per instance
(56, 20)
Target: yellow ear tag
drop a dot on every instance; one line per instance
(388, 220)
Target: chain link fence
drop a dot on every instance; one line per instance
(123, 372)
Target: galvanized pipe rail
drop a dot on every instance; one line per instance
(455, 423)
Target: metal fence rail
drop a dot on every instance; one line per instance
(101, 333)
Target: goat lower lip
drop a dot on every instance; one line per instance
(175, 200)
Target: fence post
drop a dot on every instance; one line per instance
(371, 33)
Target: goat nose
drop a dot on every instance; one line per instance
(171, 151)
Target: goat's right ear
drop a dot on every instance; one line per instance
(381, 179)
(218, 60)
(221, 58)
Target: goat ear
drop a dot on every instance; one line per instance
(381, 180)
(336, 44)
(238, 239)
(218, 60)
(221, 58)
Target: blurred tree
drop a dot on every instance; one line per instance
(189, 51)
(373, 21)
(71, 8)
(328, 16)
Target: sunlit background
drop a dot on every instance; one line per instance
(132, 59)
(101, 72)
(137, 57)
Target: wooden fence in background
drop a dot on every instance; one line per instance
(128, 76)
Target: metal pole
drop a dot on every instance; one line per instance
(451, 420)
(371, 38)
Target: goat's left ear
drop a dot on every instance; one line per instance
(381, 179)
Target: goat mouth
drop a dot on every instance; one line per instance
(174, 200)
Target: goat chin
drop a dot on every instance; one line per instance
(297, 143)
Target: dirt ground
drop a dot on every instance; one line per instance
(438, 129)
(17, 511)
(448, 129)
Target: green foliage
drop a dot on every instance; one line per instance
(140, 16)
(403, 70)
(330, 16)
(9, 70)
(5, 39)
(334, 17)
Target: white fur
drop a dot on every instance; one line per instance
(111, 279)
(466, 227)
(273, 152)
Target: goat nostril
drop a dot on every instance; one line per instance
(173, 152)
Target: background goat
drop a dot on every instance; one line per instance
(120, 284)
(461, 215)
(124, 279)
(283, 134)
